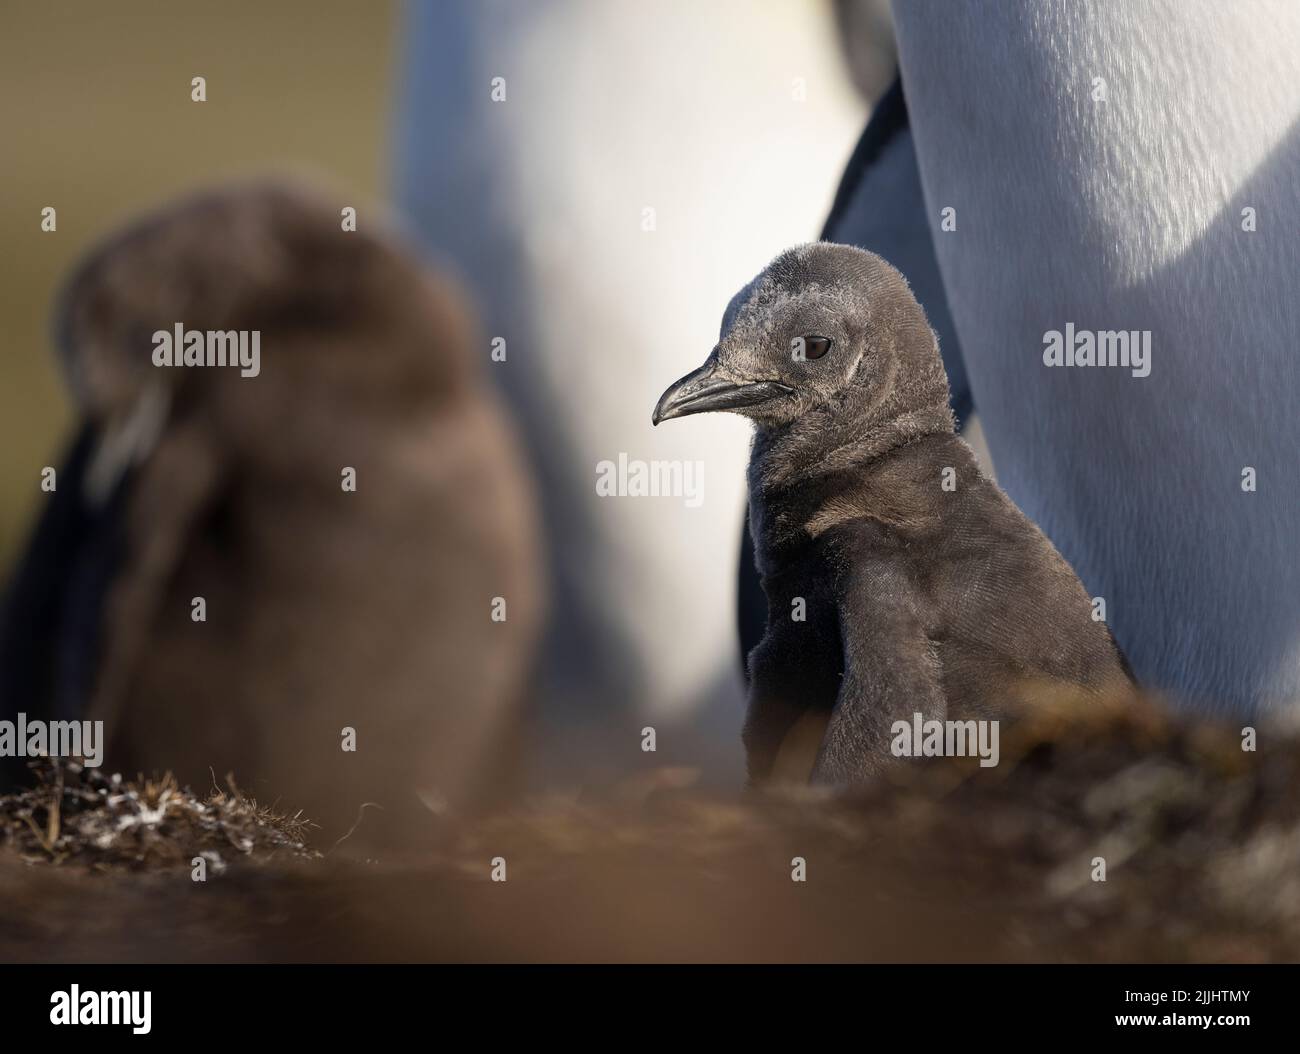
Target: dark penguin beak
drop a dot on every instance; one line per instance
(703, 390)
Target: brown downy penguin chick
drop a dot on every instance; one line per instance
(326, 546)
(916, 596)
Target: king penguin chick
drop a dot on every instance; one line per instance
(349, 516)
(899, 579)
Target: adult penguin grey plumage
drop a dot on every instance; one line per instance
(397, 615)
(899, 579)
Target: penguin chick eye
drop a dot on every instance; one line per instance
(814, 347)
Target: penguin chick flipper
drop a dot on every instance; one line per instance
(788, 689)
(176, 489)
(890, 673)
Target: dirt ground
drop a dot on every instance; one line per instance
(942, 862)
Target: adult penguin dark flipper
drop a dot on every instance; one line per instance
(50, 614)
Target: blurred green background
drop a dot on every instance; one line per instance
(96, 120)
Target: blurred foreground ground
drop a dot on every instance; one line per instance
(1201, 841)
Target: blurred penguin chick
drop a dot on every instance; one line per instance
(349, 516)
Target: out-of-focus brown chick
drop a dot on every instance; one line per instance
(326, 609)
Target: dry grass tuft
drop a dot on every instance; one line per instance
(76, 815)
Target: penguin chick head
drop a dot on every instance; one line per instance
(825, 329)
(351, 309)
